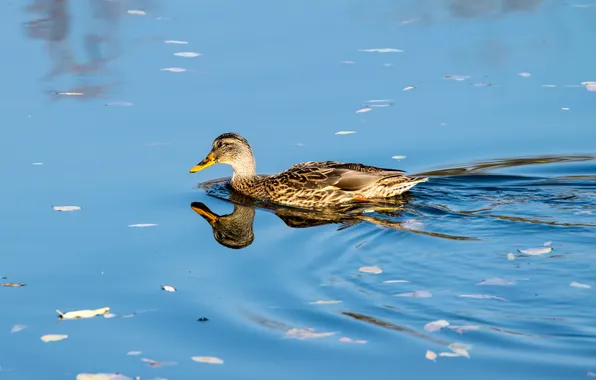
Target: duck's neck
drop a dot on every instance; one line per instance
(244, 170)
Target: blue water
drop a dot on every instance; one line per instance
(272, 71)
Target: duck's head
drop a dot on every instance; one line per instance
(231, 149)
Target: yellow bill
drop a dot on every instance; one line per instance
(207, 161)
(202, 210)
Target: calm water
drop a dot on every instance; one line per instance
(90, 118)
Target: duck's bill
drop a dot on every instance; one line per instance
(204, 211)
(208, 161)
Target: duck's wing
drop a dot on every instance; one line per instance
(338, 176)
(346, 165)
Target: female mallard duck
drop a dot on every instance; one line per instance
(308, 184)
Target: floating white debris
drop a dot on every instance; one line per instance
(119, 104)
(155, 363)
(324, 302)
(78, 314)
(510, 256)
(482, 296)
(307, 333)
(418, 293)
(436, 325)
(430, 355)
(547, 243)
(143, 225)
(176, 42)
(102, 376)
(457, 77)
(565, 108)
(17, 328)
(207, 359)
(409, 88)
(37, 163)
(460, 349)
(348, 62)
(496, 281)
(109, 315)
(535, 251)
(394, 281)
(398, 157)
(134, 353)
(345, 339)
(137, 12)
(549, 85)
(168, 288)
(382, 50)
(462, 329)
(578, 285)
(345, 132)
(187, 54)
(379, 101)
(380, 105)
(70, 93)
(590, 86)
(524, 74)
(365, 109)
(66, 208)
(174, 69)
(370, 269)
(53, 337)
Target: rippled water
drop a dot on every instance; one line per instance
(91, 119)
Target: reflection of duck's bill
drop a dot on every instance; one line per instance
(204, 211)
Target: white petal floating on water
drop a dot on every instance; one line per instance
(37, 163)
(12, 284)
(78, 314)
(565, 108)
(449, 354)
(380, 105)
(102, 376)
(436, 325)
(510, 256)
(549, 85)
(53, 337)
(409, 88)
(365, 109)
(418, 293)
(109, 315)
(463, 329)
(590, 86)
(398, 157)
(345, 132)
(66, 208)
(394, 281)
(168, 288)
(187, 54)
(496, 281)
(143, 225)
(17, 328)
(457, 77)
(134, 353)
(345, 339)
(430, 355)
(370, 269)
(535, 251)
(382, 50)
(324, 302)
(524, 74)
(379, 101)
(460, 349)
(579, 285)
(207, 359)
(306, 333)
(174, 69)
(482, 296)
(119, 104)
(176, 42)
(137, 12)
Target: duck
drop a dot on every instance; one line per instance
(307, 185)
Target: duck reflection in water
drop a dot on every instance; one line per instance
(235, 230)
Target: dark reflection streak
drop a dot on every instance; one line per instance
(394, 327)
(482, 166)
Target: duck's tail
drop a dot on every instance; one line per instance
(396, 185)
